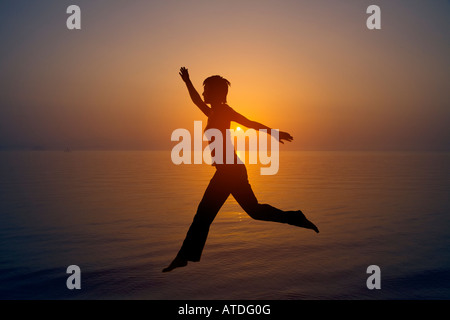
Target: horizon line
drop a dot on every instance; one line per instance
(67, 149)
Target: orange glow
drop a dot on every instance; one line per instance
(317, 74)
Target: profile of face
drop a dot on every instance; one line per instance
(214, 95)
(215, 90)
(209, 96)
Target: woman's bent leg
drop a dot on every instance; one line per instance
(244, 195)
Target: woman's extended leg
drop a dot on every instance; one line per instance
(214, 197)
(243, 193)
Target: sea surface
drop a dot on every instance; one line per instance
(121, 216)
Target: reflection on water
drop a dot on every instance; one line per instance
(121, 217)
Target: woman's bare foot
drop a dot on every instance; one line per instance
(298, 219)
(176, 263)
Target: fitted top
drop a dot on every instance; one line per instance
(220, 118)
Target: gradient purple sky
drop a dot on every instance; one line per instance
(310, 68)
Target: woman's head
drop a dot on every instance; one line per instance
(215, 89)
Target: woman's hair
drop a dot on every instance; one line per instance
(218, 86)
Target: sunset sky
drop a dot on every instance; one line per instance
(311, 68)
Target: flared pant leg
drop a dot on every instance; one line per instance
(214, 197)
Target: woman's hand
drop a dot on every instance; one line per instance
(284, 136)
(184, 74)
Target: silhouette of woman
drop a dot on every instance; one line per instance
(228, 178)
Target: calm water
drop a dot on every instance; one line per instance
(121, 217)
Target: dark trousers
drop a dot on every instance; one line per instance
(228, 179)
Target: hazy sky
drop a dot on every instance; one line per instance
(311, 68)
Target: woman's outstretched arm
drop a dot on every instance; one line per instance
(193, 93)
(239, 118)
